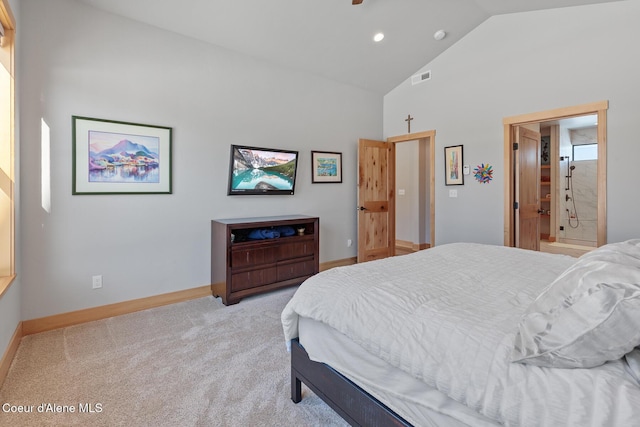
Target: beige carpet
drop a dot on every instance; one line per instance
(196, 363)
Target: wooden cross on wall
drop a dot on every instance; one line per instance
(408, 120)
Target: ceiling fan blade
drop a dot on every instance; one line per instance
(356, 1)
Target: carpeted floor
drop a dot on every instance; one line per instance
(196, 363)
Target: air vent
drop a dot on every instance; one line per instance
(419, 78)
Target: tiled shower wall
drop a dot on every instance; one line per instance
(580, 221)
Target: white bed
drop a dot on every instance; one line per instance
(434, 335)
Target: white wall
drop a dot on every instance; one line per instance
(524, 63)
(77, 60)
(10, 314)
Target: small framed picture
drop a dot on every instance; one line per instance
(111, 157)
(326, 167)
(453, 165)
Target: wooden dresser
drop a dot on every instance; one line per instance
(242, 266)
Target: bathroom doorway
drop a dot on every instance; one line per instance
(571, 205)
(574, 136)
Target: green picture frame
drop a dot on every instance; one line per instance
(114, 157)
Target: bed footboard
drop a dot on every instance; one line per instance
(351, 402)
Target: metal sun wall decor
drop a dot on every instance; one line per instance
(483, 173)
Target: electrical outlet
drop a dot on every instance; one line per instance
(349, 243)
(96, 282)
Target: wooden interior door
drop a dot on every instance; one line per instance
(376, 203)
(527, 189)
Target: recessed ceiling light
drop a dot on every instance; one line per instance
(378, 37)
(439, 35)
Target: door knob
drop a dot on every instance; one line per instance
(540, 211)
(361, 208)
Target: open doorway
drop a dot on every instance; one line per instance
(568, 189)
(377, 194)
(413, 201)
(412, 196)
(416, 220)
(555, 186)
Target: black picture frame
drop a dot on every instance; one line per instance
(453, 165)
(326, 167)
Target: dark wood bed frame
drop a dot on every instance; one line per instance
(351, 402)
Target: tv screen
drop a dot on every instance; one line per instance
(254, 170)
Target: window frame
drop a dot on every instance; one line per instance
(573, 151)
(7, 56)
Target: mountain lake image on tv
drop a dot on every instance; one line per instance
(255, 170)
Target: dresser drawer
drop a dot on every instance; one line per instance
(252, 256)
(253, 278)
(297, 249)
(292, 270)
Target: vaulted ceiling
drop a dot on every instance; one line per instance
(332, 38)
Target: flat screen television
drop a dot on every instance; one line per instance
(255, 170)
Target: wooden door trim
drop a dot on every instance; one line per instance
(412, 136)
(510, 123)
(430, 136)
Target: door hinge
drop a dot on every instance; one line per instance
(515, 146)
(515, 205)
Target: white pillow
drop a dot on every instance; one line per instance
(589, 315)
(627, 253)
(632, 362)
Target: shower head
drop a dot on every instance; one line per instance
(572, 167)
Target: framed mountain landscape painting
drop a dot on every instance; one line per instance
(111, 157)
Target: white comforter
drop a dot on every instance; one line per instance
(448, 317)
